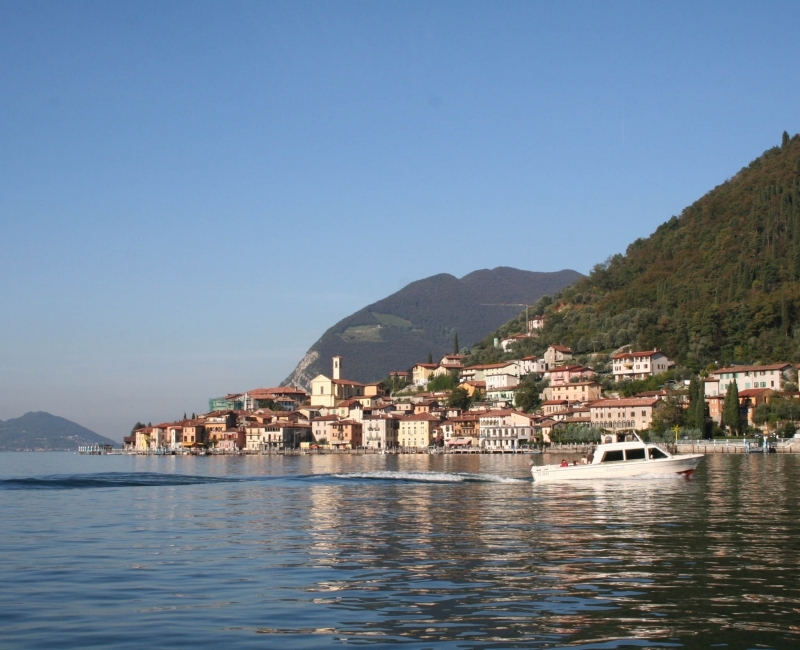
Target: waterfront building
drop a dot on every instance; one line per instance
(321, 427)
(418, 430)
(505, 429)
(218, 421)
(461, 431)
(346, 434)
(380, 431)
(275, 436)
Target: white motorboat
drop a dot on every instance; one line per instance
(625, 457)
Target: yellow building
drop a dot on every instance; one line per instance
(418, 430)
(326, 391)
(581, 391)
(422, 372)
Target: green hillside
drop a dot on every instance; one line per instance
(719, 283)
(400, 330)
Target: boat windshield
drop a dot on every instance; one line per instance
(656, 453)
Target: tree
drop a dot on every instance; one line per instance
(696, 414)
(138, 425)
(442, 382)
(730, 409)
(430, 358)
(667, 415)
(527, 397)
(455, 343)
(459, 399)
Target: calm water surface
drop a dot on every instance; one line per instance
(413, 551)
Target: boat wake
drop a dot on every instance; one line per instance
(108, 480)
(429, 477)
(153, 479)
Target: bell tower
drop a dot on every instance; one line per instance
(337, 367)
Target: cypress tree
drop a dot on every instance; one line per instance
(730, 411)
(430, 358)
(696, 417)
(455, 344)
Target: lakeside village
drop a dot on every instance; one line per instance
(513, 406)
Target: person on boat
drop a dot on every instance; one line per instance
(564, 463)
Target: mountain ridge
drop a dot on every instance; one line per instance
(424, 316)
(42, 431)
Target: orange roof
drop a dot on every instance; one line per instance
(625, 402)
(573, 368)
(346, 382)
(648, 353)
(773, 366)
(422, 416)
(754, 392)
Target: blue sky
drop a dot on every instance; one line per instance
(191, 193)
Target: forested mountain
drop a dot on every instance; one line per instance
(42, 431)
(720, 283)
(400, 330)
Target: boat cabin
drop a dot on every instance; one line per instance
(626, 447)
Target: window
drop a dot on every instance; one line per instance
(656, 453)
(634, 454)
(613, 456)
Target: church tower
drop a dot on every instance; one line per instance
(337, 367)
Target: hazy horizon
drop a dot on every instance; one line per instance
(193, 192)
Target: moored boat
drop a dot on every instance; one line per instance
(627, 456)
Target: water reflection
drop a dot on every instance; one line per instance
(303, 554)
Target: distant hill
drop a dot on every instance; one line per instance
(720, 283)
(398, 331)
(41, 431)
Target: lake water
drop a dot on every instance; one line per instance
(412, 551)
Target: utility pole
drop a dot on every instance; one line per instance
(510, 304)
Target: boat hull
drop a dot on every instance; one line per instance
(684, 465)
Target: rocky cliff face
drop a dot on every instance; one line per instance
(400, 330)
(301, 376)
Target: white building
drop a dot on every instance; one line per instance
(529, 365)
(380, 432)
(746, 377)
(494, 382)
(639, 365)
(505, 429)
